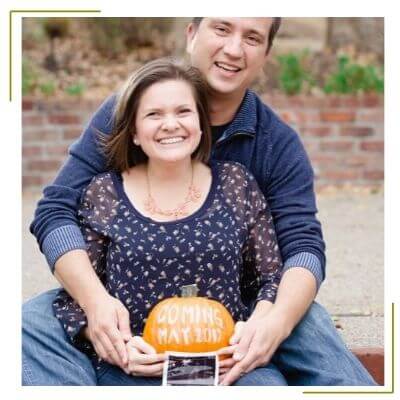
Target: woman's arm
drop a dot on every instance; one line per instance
(107, 322)
(261, 274)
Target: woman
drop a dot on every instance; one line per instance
(164, 217)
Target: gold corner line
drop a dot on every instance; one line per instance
(11, 13)
(390, 391)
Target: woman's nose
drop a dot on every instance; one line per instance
(170, 123)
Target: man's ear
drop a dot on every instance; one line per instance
(191, 31)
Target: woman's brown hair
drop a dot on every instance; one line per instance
(120, 152)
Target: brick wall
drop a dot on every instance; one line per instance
(343, 136)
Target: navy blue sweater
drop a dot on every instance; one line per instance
(257, 138)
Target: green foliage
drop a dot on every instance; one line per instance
(293, 76)
(76, 89)
(352, 78)
(47, 88)
(29, 77)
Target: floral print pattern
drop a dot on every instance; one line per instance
(227, 247)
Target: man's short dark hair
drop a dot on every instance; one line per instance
(276, 23)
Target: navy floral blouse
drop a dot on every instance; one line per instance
(227, 247)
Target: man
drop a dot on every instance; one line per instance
(229, 52)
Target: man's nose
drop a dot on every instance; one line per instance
(233, 47)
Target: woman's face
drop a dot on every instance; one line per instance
(167, 122)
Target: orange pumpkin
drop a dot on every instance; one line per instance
(188, 324)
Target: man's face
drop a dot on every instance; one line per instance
(230, 52)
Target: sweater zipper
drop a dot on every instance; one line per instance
(221, 141)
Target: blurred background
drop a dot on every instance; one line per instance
(89, 57)
(324, 77)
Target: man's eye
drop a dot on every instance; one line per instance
(253, 40)
(221, 29)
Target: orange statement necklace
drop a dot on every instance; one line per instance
(193, 196)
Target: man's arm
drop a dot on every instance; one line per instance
(55, 224)
(291, 198)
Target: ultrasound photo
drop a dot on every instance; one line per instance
(191, 369)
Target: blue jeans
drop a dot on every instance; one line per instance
(314, 354)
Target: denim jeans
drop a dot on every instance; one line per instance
(314, 354)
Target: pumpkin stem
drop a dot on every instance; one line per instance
(189, 290)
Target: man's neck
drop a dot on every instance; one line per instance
(223, 108)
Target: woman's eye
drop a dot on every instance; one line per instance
(184, 111)
(152, 114)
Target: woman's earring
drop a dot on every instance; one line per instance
(135, 141)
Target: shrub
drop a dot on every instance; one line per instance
(293, 77)
(29, 77)
(47, 88)
(352, 78)
(76, 89)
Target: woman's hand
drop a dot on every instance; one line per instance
(108, 329)
(255, 341)
(225, 354)
(143, 360)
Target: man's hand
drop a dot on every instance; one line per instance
(108, 330)
(255, 342)
(143, 360)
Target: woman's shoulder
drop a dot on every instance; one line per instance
(102, 185)
(231, 171)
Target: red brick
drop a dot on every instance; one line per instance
(44, 165)
(371, 115)
(356, 131)
(374, 175)
(373, 360)
(377, 146)
(27, 104)
(70, 134)
(336, 146)
(311, 146)
(28, 120)
(307, 116)
(343, 101)
(337, 116)
(318, 131)
(372, 100)
(355, 160)
(39, 134)
(64, 119)
(31, 180)
(276, 101)
(31, 150)
(296, 101)
(56, 150)
(340, 175)
(287, 117)
(323, 159)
